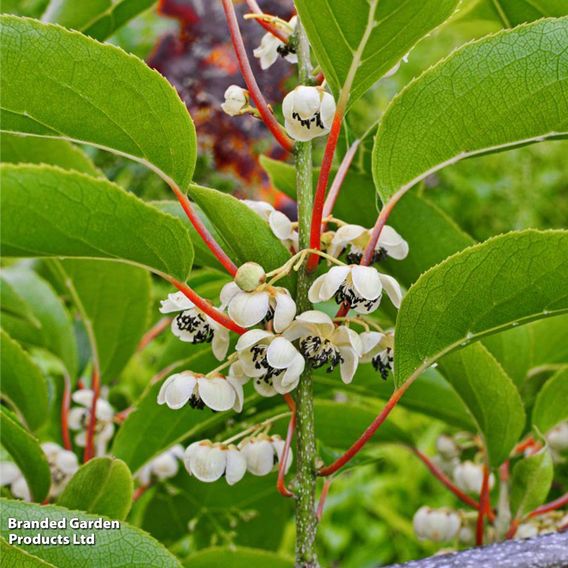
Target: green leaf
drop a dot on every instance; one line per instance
(530, 483)
(236, 223)
(514, 12)
(117, 547)
(470, 104)
(95, 219)
(237, 557)
(551, 405)
(52, 328)
(338, 29)
(23, 386)
(13, 557)
(491, 398)
(95, 18)
(506, 281)
(27, 455)
(61, 84)
(17, 149)
(102, 486)
(549, 345)
(115, 299)
(14, 306)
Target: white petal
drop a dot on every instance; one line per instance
(280, 224)
(144, 475)
(261, 208)
(239, 395)
(251, 337)
(228, 292)
(264, 389)
(291, 377)
(67, 462)
(333, 280)
(284, 311)
(236, 466)
(370, 340)
(288, 105)
(20, 489)
(81, 439)
(366, 281)
(175, 303)
(76, 417)
(84, 397)
(348, 366)
(280, 353)
(216, 393)
(321, 319)
(52, 450)
(179, 390)
(9, 472)
(208, 463)
(220, 343)
(298, 329)
(393, 243)
(259, 455)
(278, 445)
(345, 336)
(392, 288)
(301, 133)
(327, 110)
(249, 308)
(314, 293)
(165, 466)
(348, 233)
(104, 411)
(307, 101)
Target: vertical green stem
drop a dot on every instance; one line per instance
(306, 521)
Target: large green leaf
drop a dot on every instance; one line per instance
(530, 482)
(27, 455)
(551, 406)
(102, 486)
(237, 557)
(115, 548)
(549, 345)
(52, 327)
(384, 30)
(116, 300)
(491, 398)
(96, 18)
(506, 281)
(94, 219)
(61, 84)
(471, 102)
(23, 386)
(13, 557)
(26, 149)
(511, 13)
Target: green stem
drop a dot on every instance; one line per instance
(305, 490)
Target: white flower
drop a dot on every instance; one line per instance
(208, 462)
(79, 417)
(468, 476)
(163, 466)
(263, 453)
(270, 47)
(557, 438)
(194, 326)
(440, 525)
(216, 392)
(361, 287)
(526, 530)
(308, 112)
(273, 363)
(356, 237)
(10, 474)
(236, 100)
(378, 350)
(324, 344)
(279, 223)
(447, 447)
(251, 308)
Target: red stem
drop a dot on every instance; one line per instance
(255, 9)
(65, 404)
(323, 497)
(153, 332)
(202, 230)
(252, 86)
(367, 434)
(484, 506)
(205, 306)
(90, 443)
(319, 197)
(339, 179)
(512, 529)
(552, 506)
(139, 491)
(280, 483)
(444, 479)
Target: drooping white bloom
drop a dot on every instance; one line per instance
(267, 303)
(194, 326)
(273, 363)
(79, 417)
(324, 344)
(356, 238)
(440, 525)
(468, 476)
(271, 47)
(447, 447)
(557, 438)
(10, 474)
(216, 392)
(279, 223)
(308, 112)
(361, 287)
(208, 462)
(163, 466)
(236, 100)
(378, 350)
(263, 453)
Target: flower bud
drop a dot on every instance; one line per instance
(249, 276)
(440, 525)
(557, 438)
(236, 100)
(469, 477)
(447, 448)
